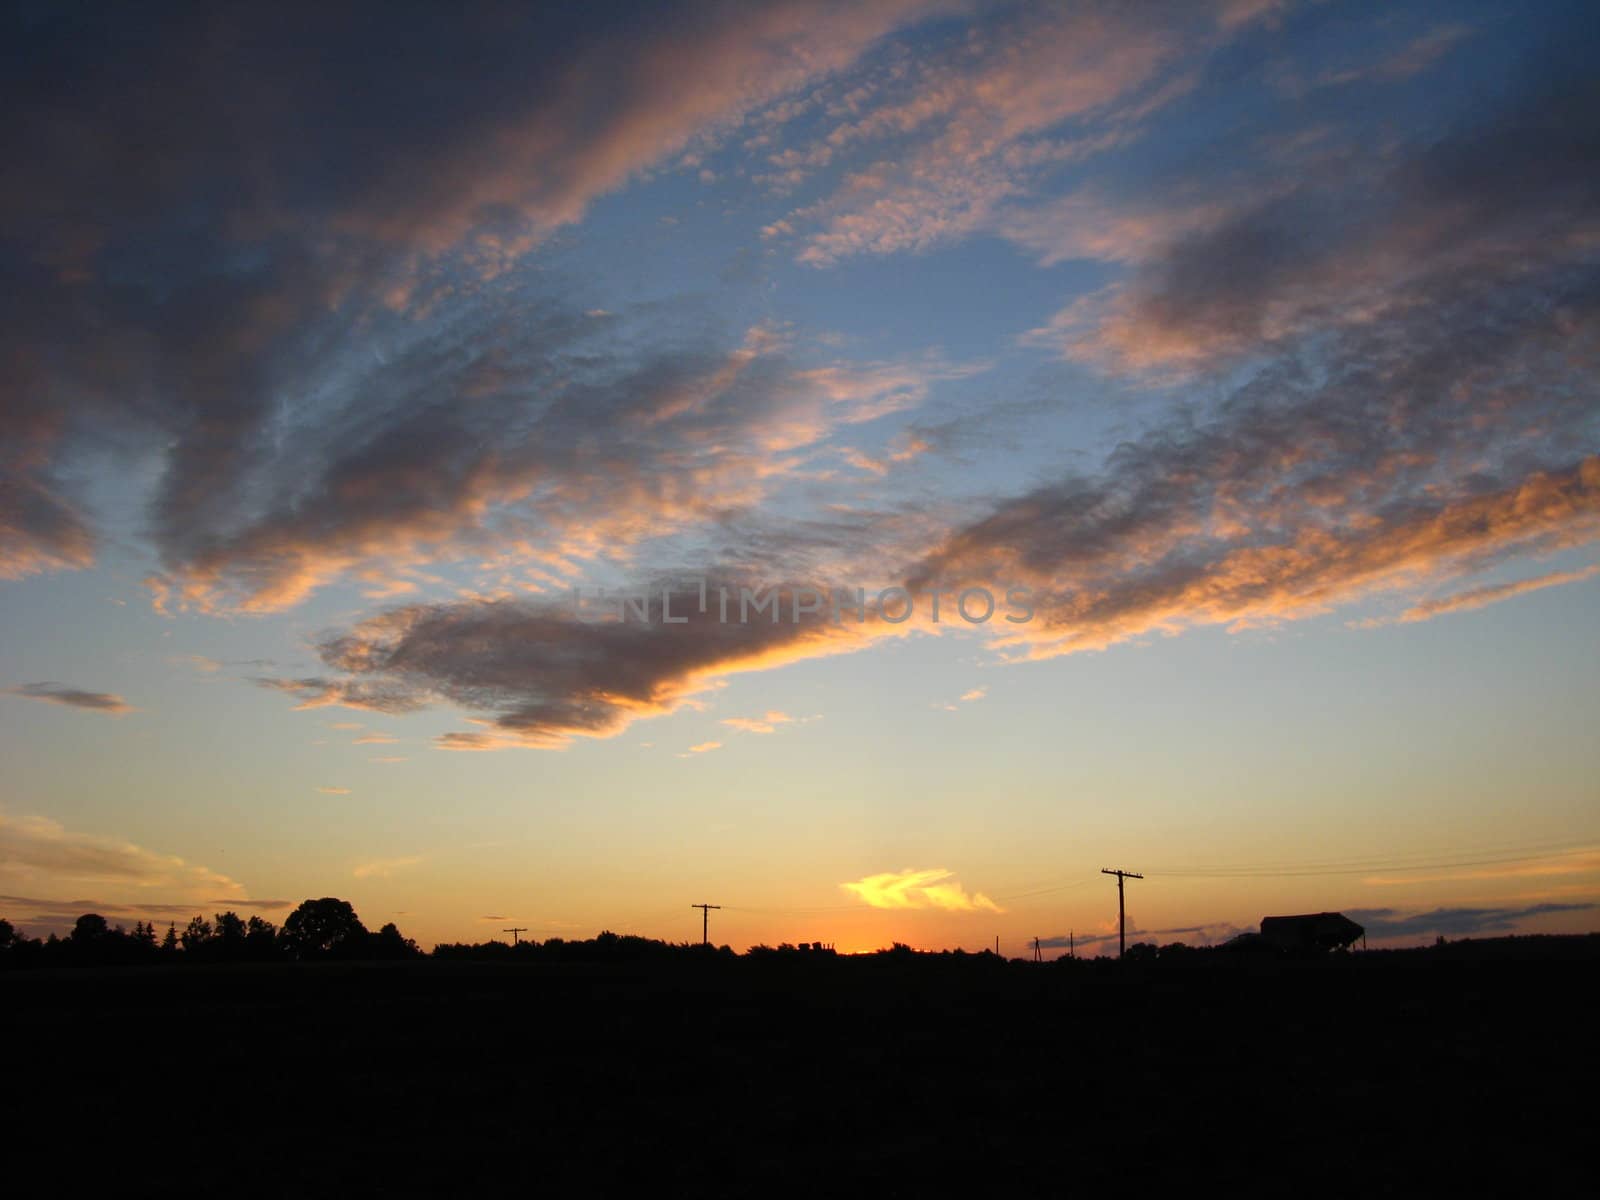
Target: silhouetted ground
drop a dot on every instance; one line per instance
(893, 1075)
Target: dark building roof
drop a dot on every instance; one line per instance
(1311, 931)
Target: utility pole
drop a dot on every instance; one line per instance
(705, 921)
(514, 931)
(1038, 955)
(1122, 911)
(1072, 944)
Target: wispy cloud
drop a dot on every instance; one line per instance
(40, 849)
(334, 791)
(933, 888)
(71, 697)
(384, 867)
(967, 132)
(764, 724)
(1481, 597)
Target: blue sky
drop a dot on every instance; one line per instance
(1255, 340)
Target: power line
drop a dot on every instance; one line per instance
(515, 931)
(1288, 871)
(1420, 861)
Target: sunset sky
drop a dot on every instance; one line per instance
(1256, 341)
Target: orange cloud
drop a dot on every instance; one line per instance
(766, 724)
(1481, 597)
(933, 888)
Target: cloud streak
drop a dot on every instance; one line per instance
(1381, 923)
(71, 697)
(38, 848)
(1482, 597)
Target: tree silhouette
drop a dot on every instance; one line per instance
(327, 927)
(196, 935)
(260, 939)
(230, 931)
(89, 928)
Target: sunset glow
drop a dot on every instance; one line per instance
(1034, 438)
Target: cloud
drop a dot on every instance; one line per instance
(232, 264)
(764, 724)
(384, 867)
(40, 849)
(548, 674)
(58, 693)
(1401, 360)
(1453, 922)
(1360, 240)
(375, 739)
(606, 432)
(934, 888)
(1386, 359)
(334, 791)
(1160, 571)
(977, 693)
(1412, 58)
(705, 747)
(1482, 597)
(976, 123)
(316, 692)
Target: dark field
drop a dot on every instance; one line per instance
(895, 1075)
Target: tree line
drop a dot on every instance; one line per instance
(318, 929)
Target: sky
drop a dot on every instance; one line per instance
(1225, 371)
